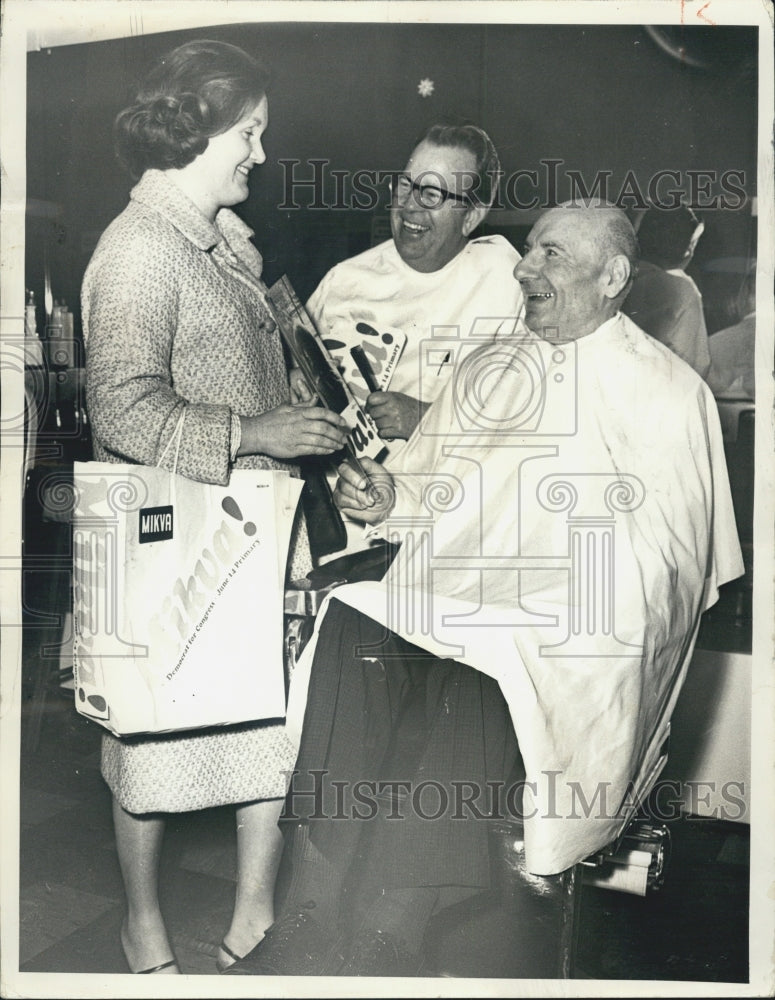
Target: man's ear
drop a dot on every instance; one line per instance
(475, 216)
(617, 276)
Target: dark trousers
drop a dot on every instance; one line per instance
(400, 756)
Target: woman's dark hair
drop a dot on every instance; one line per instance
(198, 90)
(477, 142)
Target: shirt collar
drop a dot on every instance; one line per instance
(158, 192)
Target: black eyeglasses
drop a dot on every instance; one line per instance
(427, 195)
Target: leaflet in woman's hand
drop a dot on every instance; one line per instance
(321, 371)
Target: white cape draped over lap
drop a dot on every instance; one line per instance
(566, 519)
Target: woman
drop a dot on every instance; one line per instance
(175, 321)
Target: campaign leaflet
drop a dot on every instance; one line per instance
(321, 370)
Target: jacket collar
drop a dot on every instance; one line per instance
(157, 191)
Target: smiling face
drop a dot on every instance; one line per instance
(218, 177)
(569, 282)
(427, 239)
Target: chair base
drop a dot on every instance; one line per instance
(525, 927)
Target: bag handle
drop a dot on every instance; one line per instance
(175, 437)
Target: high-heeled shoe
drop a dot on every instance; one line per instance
(158, 968)
(154, 968)
(223, 966)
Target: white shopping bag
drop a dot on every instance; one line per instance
(178, 597)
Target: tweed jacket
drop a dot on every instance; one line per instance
(175, 319)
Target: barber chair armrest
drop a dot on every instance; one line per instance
(302, 601)
(303, 598)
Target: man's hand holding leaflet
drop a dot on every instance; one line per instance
(367, 495)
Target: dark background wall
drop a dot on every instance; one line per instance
(596, 98)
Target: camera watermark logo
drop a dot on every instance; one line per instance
(504, 504)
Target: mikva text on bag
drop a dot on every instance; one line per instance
(155, 524)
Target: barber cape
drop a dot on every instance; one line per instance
(474, 297)
(565, 518)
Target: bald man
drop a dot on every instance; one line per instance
(565, 519)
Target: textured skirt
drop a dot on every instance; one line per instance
(180, 772)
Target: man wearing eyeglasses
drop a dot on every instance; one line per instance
(431, 274)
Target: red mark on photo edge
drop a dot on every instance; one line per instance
(700, 14)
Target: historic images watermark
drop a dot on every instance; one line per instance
(315, 184)
(398, 799)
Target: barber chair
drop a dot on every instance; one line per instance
(527, 926)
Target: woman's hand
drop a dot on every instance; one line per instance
(300, 391)
(290, 431)
(395, 414)
(365, 499)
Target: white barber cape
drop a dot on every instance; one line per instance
(474, 297)
(566, 519)
(443, 314)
